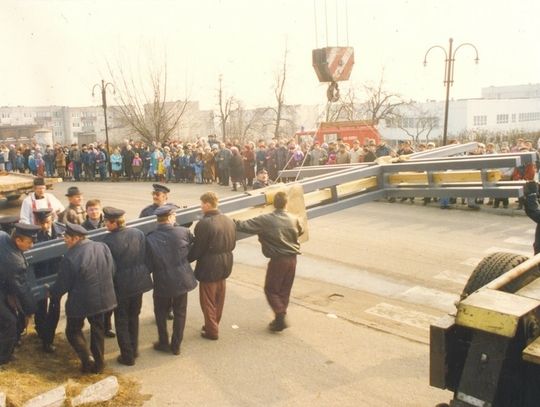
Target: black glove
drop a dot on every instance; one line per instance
(530, 187)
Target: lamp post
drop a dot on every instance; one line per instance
(450, 58)
(103, 87)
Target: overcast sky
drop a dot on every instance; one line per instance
(53, 52)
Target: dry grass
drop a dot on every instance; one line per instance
(35, 372)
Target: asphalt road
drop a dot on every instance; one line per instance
(371, 280)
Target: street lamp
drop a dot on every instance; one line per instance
(449, 74)
(103, 87)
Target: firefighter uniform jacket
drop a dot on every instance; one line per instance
(167, 249)
(13, 280)
(128, 248)
(86, 274)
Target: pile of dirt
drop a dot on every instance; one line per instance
(35, 372)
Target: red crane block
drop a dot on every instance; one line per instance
(333, 64)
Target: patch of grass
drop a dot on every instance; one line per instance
(35, 372)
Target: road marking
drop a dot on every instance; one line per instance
(471, 261)
(518, 240)
(403, 315)
(430, 297)
(495, 249)
(452, 276)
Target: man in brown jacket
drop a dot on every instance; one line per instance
(215, 239)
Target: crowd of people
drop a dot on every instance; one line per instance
(110, 277)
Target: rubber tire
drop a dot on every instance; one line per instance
(495, 265)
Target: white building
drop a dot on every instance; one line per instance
(501, 110)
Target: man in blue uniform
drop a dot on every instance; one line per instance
(48, 309)
(159, 197)
(15, 294)
(167, 251)
(86, 275)
(131, 280)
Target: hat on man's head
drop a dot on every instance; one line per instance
(8, 220)
(262, 171)
(165, 210)
(112, 213)
(160, 188)
(24, 229)
(72, 229)
(42, 214)
(39, 181)
(72, 191)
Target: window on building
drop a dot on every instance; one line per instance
(479, 120)
(76, 124)
(529, 117)
(502, 118)
(513, 117)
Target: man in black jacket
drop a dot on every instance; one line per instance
(131, 280)
(160, 196)
(86, 274)
(167, 249)
(48, 309)
(215, 239)
(278, 233)
(15, 294)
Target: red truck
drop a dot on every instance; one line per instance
(346, 131)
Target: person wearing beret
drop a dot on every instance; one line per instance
(131, 280)
(530, 190)
(167, 250)
(15, 294)
(74, 213)
(39, 199)
(86, 275)
(215, 240)
(48, 309)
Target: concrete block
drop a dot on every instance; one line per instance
(52, 398)
(103, 390)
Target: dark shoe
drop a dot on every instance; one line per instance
(98, 368)
(207, 336)
(125, 361)
(110, 334)
(203, 329)
(87, 367)
(175, 350)
(49, 348)
(170, 316)
(278, 324)
(162, 347)
(475, 207)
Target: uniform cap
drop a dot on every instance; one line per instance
(42, 214)
(165, 210)
(39, 181)
(24, 229)
(160, 188)
(72, 191)
(9, 220)
(72, 229)
(112, 213)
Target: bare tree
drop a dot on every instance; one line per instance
(380, 103)
(345, 108)
(143, 103)
(281, 111)
(226, 106)
(245, 124)
(417, 124)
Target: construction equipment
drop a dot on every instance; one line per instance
(344, 131)
(488, 353)
(13, 185)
